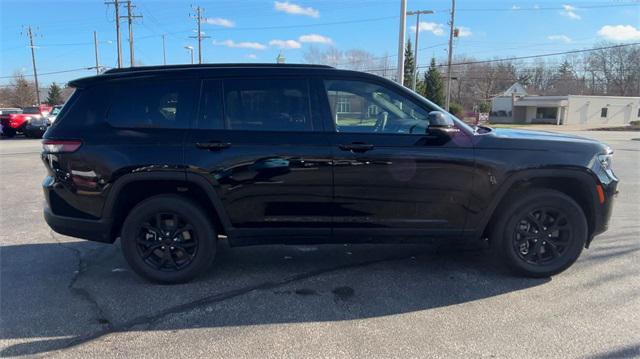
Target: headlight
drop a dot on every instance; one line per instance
(605, 161)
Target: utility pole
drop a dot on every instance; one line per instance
(450, 54)
(403, 23)
(117, 6)
(33, 61)
(198, 17)
(95, 46)
(130, 18)
(164, 52)
(415, 55)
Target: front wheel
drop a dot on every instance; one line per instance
(540, 233)
(168, 239)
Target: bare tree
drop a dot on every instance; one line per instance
(22, 91)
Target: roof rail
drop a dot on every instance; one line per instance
(208, 66)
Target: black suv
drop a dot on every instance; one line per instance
(170, 158)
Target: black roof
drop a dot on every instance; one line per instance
(210, 66)
(153, 70)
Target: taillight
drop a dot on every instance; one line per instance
(60, 146)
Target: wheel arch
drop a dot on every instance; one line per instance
(578, 185)
(133, 188)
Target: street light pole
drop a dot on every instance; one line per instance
(415, 56)
(451, 34)
(190, 48)
(403, 22)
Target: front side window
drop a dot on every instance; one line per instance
(267, 105)
(151, 104)
(359, 106)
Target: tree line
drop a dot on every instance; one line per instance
(21, 92)
(612, 71)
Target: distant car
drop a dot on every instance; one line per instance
(54, 113)
(10, 110)
(36, 127)
(15, 123)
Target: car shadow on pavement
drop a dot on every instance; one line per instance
(55, 296)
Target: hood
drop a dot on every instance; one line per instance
(539, 135)
(545, 141)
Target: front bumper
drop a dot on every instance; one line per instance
(604, 210)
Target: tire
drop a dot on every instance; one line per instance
(540, 232)
(165, 250)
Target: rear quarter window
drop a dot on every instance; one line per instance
(150, 103)
(85, 108)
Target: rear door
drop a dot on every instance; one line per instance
(259, 143)
(392, 175)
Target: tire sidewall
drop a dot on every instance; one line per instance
(523, 205)
(187, 209)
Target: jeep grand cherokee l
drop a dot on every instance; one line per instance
(168, 158)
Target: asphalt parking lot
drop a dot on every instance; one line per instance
(62, 297)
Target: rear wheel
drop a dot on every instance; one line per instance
(168, 239)
(540, 233)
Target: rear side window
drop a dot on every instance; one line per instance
(151, 103)
(86, 107)
(267, 105)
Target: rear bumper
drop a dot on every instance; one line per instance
(93, 230)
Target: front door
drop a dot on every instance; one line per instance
(392, 176)
(260, 145)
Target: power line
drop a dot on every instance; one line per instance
(254, 28)
(53, 72)
(519, 57)
(536, 56)
(540, 8)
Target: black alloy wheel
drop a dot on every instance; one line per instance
(542, 236)
(539, 232)
(167, 242)
(168, 239)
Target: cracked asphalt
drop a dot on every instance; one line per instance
(62, 297)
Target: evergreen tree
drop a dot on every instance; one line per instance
(409, 64)
(55, 95)
(432, 87)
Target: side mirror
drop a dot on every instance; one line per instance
(441, 123)
(439, 119)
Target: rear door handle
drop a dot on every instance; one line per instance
(213, 145)
(356, 147)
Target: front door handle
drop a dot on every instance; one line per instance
(357, 147)
(213, 145)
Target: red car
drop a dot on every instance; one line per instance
(14, 123)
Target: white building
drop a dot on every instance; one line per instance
(516, 106)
